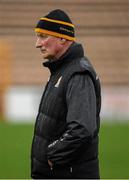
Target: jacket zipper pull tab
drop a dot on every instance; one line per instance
(71, 169)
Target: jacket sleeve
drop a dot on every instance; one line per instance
(81, 120)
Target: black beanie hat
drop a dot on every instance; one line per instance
(56, 23)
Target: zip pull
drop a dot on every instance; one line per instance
(71, 169)
(50, 164)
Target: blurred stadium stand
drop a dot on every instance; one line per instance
(102, 26)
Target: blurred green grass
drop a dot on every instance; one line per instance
(15, 145)
(114, 150)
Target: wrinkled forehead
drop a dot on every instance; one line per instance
(44, 36)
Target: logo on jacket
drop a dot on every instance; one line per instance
(97, 77)
(58, 82)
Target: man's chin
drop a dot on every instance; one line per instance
(48, 57)
(45, 58)
(44, 55)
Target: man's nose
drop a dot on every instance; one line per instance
(38, 43)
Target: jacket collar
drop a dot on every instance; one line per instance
(75, 51)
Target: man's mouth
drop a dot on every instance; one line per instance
(43, 50)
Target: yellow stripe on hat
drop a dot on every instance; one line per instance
(39, 30)
(57, 21)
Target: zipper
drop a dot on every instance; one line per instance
(44, 94)
(71, 169)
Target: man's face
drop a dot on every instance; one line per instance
(49, 45)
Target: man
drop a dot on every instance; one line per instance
(65, 143)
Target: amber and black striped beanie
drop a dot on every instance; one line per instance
(56, 23)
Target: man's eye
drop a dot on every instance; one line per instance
(43, 36)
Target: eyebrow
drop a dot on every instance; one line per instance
(41, 34)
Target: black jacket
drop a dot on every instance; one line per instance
(67, 124)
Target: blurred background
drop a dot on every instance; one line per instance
(102, 26)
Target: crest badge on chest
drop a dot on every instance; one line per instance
(58, 82)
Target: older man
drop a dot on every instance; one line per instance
(65, 143)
